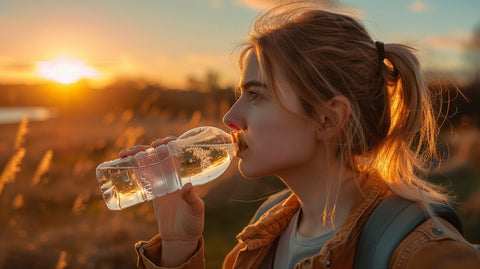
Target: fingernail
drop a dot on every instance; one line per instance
(188, 187)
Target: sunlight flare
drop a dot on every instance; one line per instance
(65, 71)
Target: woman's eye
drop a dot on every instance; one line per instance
(253, 95)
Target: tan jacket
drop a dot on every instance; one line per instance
(423, 248)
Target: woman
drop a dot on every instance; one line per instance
(344, 122)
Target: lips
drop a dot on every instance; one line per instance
(237, 137)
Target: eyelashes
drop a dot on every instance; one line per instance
(253, 96)
(251, 93)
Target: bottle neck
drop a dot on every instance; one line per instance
(238, 139)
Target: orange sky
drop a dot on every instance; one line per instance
(168, 41)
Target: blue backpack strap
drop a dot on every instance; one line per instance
(271, 202)
(391, 221)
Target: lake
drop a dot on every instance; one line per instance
(15, 114)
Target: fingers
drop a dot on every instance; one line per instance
(132, 150)
(162, 141)
(135, 149)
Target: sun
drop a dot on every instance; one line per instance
(65, 71)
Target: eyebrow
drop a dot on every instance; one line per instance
(253, 83)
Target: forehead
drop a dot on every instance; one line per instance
(252, 70)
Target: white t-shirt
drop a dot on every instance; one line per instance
(292, 247)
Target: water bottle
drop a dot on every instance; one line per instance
(197, 156)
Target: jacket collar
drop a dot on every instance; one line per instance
(270, 225)
(273, 222)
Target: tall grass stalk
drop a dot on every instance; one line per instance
(22, 131)
(43, 167)
(18, 201)
(62, 261)
(79, 204)
(129, 137)
(12, 167)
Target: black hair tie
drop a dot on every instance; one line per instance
(381, 51)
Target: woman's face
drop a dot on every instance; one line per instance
(279, 140)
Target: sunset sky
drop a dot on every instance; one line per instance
(167, 41)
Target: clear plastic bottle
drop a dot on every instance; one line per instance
(197, 156)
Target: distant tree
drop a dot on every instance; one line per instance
(193, 83)
(209, 83)
(211, 80)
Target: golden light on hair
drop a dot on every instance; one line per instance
(395, 103)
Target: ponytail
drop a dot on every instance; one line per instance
(409, 148)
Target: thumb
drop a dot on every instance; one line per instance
(192, 198)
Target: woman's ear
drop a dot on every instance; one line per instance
(333, 121)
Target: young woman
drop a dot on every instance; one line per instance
(343, 121)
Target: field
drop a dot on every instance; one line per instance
(53, 216)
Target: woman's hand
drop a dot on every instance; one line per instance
(180, 217)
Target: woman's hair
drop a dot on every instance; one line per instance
(392, 127)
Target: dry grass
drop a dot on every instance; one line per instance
(62, 263)
(22, 131)
(42, 167)
(12, 168)
(52, 209)
(13, 165)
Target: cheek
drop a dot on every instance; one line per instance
(286, 135)
(285, 149)
(276, 151)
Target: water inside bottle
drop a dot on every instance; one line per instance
(202, 163)
(121, 186)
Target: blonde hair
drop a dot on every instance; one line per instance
(392, 128)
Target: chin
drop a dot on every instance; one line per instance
(248, 172)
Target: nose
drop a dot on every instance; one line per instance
(234, 118)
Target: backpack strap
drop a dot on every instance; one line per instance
(390, 222)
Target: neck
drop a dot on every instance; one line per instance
(325, 201)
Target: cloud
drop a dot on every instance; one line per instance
(419, 6)
(14, 71)
(329, 5)
(10, 64)
(266, 4)
(456, 41)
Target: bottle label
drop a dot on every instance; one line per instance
(144, 160)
